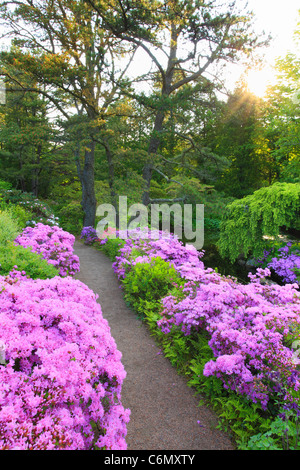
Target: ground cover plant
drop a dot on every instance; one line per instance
(249, 223)
(236, 342)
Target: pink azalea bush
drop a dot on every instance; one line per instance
(60, 371)
(54, 244)
(251, 327)
(139, 248)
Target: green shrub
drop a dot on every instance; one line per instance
(4, 186)
(9, 227)
(282, 434)
(111, 247)
(20, 214)
(27, 207)
(32, 263)
(262, 214)
(71, 217)
(15, 196)
(149, 282)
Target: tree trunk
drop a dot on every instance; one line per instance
(152, 151)
(36, 172)
(21, 177)
(111, 175)
(88, 202)
(155, 138)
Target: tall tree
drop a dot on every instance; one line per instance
(281, 117)
(239, 137)
(26, 137)
(69, 48)
(62, 45)
(198, 35)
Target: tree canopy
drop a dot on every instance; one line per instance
(75, 54)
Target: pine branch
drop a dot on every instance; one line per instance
(169, 180)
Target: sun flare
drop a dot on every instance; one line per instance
(259, 80)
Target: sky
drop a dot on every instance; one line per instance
(279, 18)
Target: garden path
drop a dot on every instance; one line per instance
(164, 410)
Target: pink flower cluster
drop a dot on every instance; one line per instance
(139, 248)
(251, 327)
(54, 244)
(60, 371)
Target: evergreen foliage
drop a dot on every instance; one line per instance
(247, 221)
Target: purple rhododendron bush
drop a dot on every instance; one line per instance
(60, 371)
(252, 327)
(285, 263)
(54, 244)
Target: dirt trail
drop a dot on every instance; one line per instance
(164, 410)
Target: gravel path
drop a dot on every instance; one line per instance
(164, 410)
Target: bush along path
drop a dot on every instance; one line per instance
(165, 413)
(60, 371)
(238, 344)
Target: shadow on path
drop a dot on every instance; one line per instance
(164, 410)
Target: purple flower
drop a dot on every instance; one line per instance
(89, 235)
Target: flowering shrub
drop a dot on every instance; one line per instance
(38, 211)
(89, 235)
(60, 370)
(285, 262)
(138, 248)
(54, 244)
(108, 232)
(251, 327)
